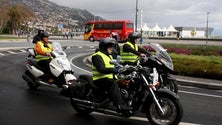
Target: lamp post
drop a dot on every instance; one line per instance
(207, 28)
(136, 15)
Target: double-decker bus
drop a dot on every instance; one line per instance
(96, 30)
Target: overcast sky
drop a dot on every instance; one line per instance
(186, 13)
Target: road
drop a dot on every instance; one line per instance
(21, 106)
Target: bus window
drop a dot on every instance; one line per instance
(117, 26)
(88, 28)
(108, 26)
(129, 25)
(98, 26)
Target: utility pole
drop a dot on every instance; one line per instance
(207, 28)
(136, 15)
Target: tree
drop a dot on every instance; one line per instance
(3, 13)
(18, 15)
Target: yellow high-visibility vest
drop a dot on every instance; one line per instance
(106, 60)
(128, 56)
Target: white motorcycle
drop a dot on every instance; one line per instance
(61, 76)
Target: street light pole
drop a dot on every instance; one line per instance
(136, 15)
(207, 28)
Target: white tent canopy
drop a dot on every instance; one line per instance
(145, 28)
(171, 29)
(156, 28)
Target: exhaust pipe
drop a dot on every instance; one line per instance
(28, 79)
(101, 110)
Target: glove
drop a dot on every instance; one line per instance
(117, 69)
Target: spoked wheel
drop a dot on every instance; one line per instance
(172, 86)
(172, 109)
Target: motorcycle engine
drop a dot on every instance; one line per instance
(124, 94)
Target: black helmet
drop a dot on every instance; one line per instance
(105, 43)
(44, 34)
(134, 35)
(40, 32)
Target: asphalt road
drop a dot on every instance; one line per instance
(21, 106)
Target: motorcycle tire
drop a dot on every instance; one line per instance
(172, 108)
(31, 85)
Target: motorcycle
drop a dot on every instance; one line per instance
(61, 75)
(139, 90)
(163, 63)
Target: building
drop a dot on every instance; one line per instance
(191, 32)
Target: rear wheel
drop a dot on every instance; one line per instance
(31, 85)
(172, 85)
(172, 108)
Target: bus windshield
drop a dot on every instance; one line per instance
(88, 28)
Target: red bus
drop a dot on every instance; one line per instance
(96, 30)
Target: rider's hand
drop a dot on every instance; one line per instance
(48, 54)
(142, 55)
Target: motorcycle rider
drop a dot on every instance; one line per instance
(131, 50)
(104, 73)
(37, 37)
(43, 51)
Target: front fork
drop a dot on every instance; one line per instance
(152, 93)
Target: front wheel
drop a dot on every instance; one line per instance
(172, 108)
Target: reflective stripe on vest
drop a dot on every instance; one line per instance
(128, 56)
(106, 60)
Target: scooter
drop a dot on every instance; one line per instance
(62, 76)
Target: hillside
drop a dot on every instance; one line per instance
(51, 13)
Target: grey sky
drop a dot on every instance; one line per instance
(163, 12)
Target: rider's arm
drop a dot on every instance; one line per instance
(100, 66)
(128, 48)
(40, 49)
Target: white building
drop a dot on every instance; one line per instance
(191, 32)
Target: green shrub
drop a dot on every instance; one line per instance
(198, 66)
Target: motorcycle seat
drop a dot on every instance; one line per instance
(34, 63)
(88, 78)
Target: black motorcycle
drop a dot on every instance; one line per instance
(161, 60)
(139, 91)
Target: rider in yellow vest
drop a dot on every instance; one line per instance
(104, 72)
(131, 50)
(43, 51)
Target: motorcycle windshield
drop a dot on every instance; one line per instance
(58, 49)
(162, 55)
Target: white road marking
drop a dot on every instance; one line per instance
(140, 118)
(11, 52)
(2, 54)
(77, 66)
(202, 94)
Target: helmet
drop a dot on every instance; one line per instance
(134, 35)
(44, 34)
(105, 43)
(40, 31)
